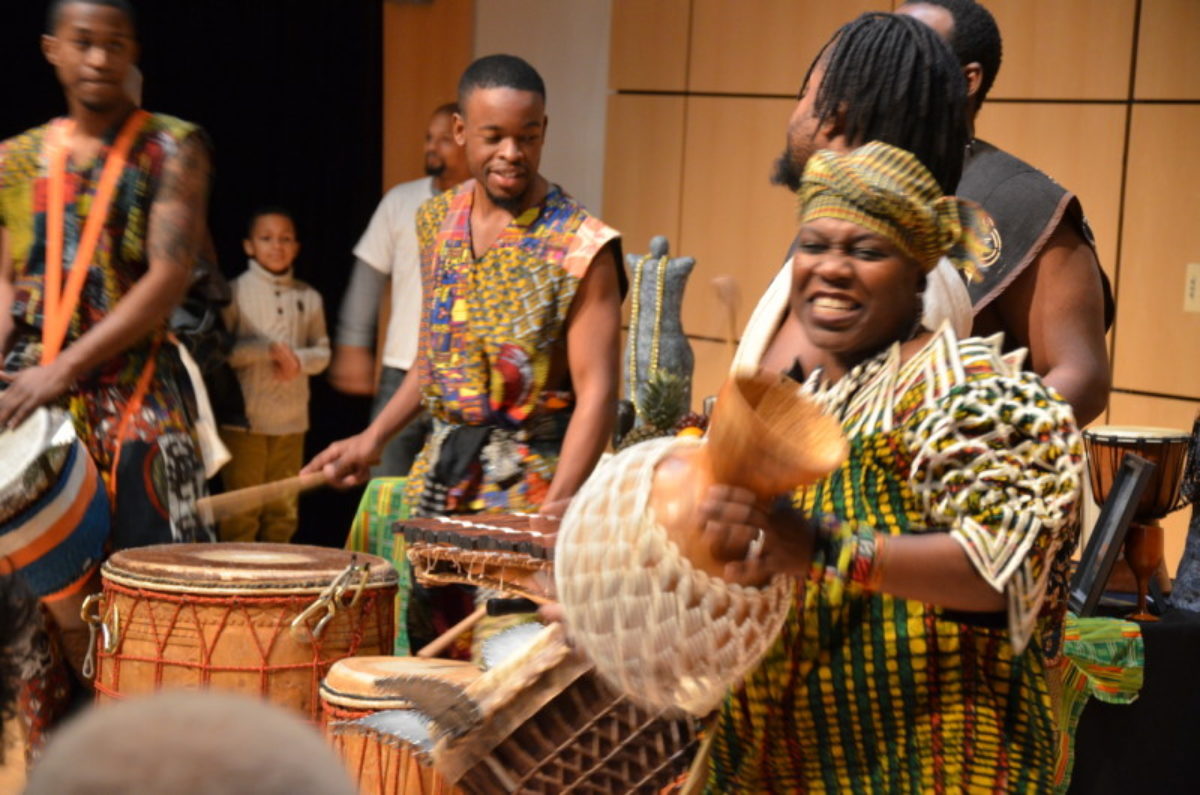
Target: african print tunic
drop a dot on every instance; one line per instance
(492, 329)
(863, 692)
(159, 473)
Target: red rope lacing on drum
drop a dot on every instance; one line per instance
(376, 603)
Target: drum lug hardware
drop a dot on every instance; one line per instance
(96, 625)
(330, 598)
(300, 622)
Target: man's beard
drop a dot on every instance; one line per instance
(510, 204)
(434, 168)
(785, 172)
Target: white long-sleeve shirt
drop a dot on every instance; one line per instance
(267, 308)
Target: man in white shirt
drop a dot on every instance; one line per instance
(388, 249)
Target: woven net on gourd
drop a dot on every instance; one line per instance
(659, 629)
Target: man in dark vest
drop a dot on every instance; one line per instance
(1044, 287)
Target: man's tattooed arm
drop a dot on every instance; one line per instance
(177, 220)
(174, 231)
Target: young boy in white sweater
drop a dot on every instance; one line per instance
(279, 327)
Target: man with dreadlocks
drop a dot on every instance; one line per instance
(1044, 287)
(882, 77)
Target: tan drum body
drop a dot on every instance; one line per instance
(1166, 448)
(221, 615)
(357, 687)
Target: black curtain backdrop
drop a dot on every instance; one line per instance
(290, 92)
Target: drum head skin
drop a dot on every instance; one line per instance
(388, 682)
(1130, 434)
(242, 568)
(43, 438)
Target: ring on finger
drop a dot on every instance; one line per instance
(754, 550)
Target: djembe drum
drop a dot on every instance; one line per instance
(390, 756)
(54, 511)
(265, 619)
(643, 598)
(1167, 449)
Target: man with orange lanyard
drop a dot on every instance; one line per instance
(101, 215)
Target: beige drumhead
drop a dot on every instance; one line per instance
(372, 683)
(1133, 434)
(235, 568)
(47, 435)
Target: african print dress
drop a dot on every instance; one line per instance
(492, 330)
(155, 460)
(863, 692)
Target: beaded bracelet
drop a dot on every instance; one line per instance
(875, 576)
(855, 554)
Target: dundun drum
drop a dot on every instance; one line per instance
(264, 619)
(384, 762)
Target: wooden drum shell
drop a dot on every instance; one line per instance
(1164, 447)
(173, 619)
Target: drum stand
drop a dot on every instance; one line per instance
(1144, 553)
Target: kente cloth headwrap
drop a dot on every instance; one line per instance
(888, 191)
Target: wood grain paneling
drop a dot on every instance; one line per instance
(1065, 49)
(712, 365)
(425, 49)
(1084, 154)
(1139, 410)
(763, 46)
(1168, 57)
(734, 221)
(643, 168)
(1157, 341)
(649, 45)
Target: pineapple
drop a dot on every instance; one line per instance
(664, 400)
(663, 403)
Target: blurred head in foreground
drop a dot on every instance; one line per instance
(189, 743)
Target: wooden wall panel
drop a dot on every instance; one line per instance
(733, 220)
(1168, 56)
(712, 365)
(1065, 49)
(763, 46)
(1084, 154)
(643, 168)
(649, 45)
(1159, 412)
(425, 49)
(1157, 342)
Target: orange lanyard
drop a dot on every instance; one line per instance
(60, 303)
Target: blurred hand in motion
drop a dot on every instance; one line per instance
(347, 462)
(352, 370)
(755, 540)
(29, 389)
(287, 364)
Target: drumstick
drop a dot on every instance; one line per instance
(438, 644)
(728, 295)
(252, 498)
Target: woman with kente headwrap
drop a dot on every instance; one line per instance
(933, 562)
